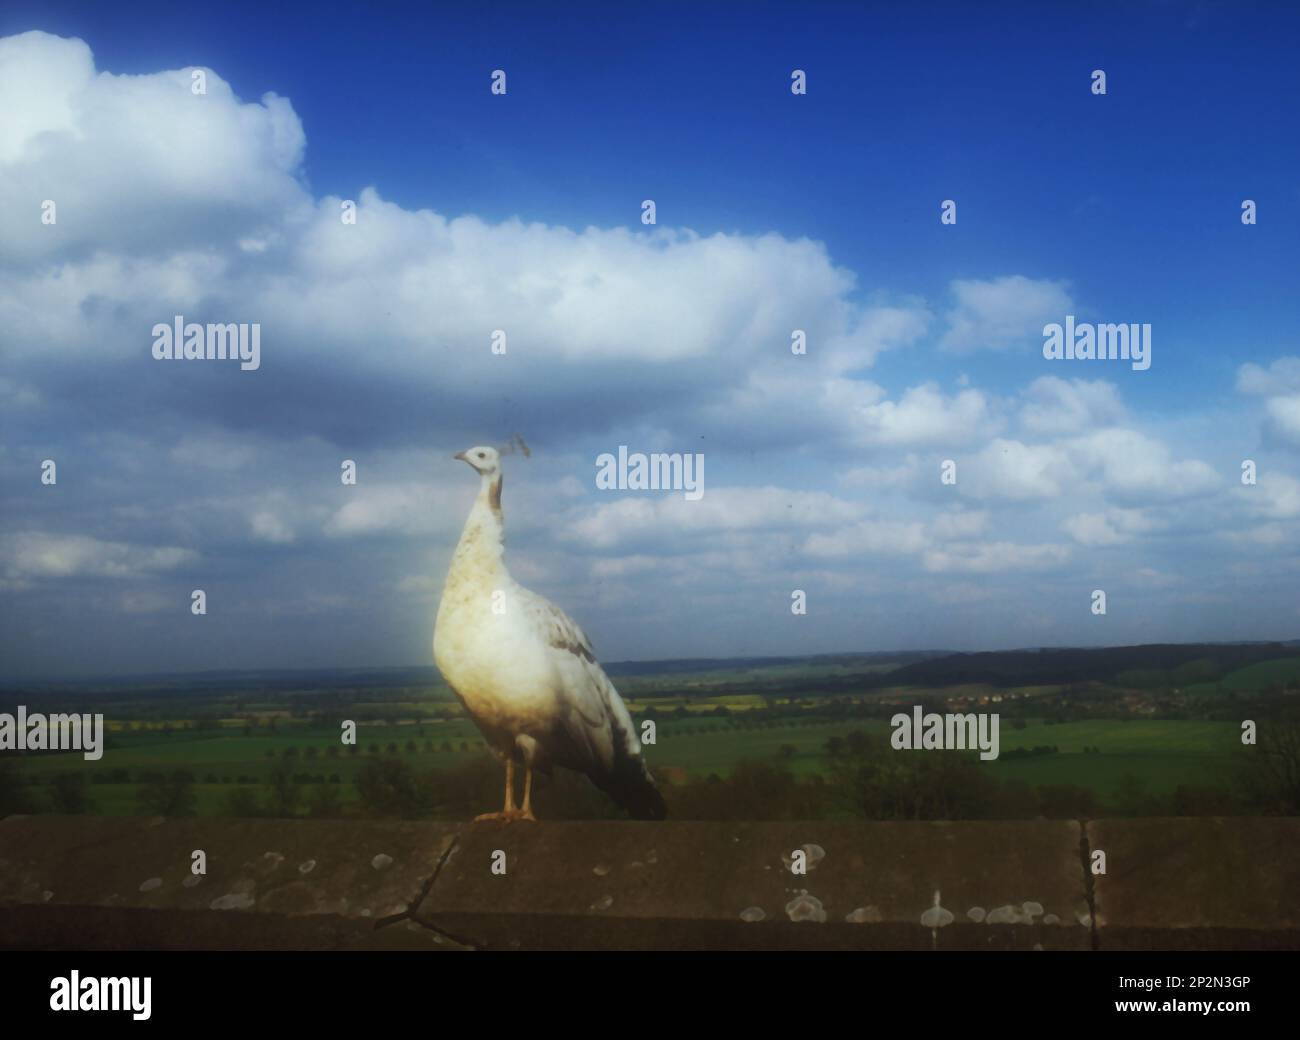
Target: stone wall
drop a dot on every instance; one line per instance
(106, 883)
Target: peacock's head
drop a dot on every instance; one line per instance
(486, 461)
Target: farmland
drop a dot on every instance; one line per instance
(1119, 742)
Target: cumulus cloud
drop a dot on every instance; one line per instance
(135, 161)
(1275, 497)
(1001, 313)
(924, 415)
(960, 523)
(720, 510)
(1008, 468)
(1135, 467)
(171, 202)
(213, 453)
(1057, 406)
(870, 537)
(146, 601)
(660, 295)
(882, 477)
(1123, 464)
(375, 341)
(30, 556)
(990, 557)
(271, 527)
(399, 305)
(1113, 527)
(1283, 421)
(1279, 385)
(1282, 376)
(388, 507)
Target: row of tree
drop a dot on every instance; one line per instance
(863, 777)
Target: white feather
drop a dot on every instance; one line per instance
(518, 663)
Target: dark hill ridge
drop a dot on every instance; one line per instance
(731, 664)
(1152, 664)
(286, 680)
(1100, 664)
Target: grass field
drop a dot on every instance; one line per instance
(1159, 754)
(220, 728)
(1163, 753)
(1251, 677)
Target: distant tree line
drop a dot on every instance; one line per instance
(862, 777)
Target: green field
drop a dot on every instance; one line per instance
(1252, 677)
(229, 755)
(1164, 753)
(1125, 741)
(1159, 754)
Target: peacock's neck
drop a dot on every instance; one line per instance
(480, 553)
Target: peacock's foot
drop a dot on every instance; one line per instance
(506, 816)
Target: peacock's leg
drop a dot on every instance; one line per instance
(509, 812)
(526, 813)
(528, 750)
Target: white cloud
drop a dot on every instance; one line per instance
(625, 566)
(1057, 406)
(881, 477)
(148, 601)
(880, 327)
(1125, 465)
(270, 527)
(959, 524)
(923, 416)
(171, 203)
(1280, 377)
(411, 509)
(30, 555)
(1138, 468)
(1267, 536)
(989, 557)
(135, 160)
(1149, 577)
(213, 452)
(960, 593)
(1279, 384)
(1003, 312)
(1007, 468)
(873, 537)
(1275, 497)
(1284, 418)
(1114, 527)
(174, 203)
(720, 510)
(662, 295)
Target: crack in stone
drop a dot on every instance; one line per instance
(461, 940)
(1089, 883)
(409, 913)
(430, 920)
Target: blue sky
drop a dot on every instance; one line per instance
(819, 211)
